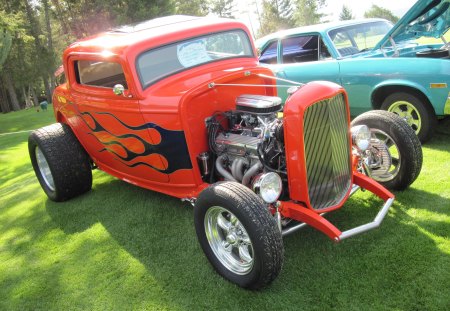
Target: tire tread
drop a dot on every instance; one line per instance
(68, 161)
(267, 230)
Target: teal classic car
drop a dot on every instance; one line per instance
(402, 68)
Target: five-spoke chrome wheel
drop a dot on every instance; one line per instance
(238, 234)
(229, 240)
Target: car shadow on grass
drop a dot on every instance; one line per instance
(369, 270)
(441, 136)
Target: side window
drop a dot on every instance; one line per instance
(269, 54)
(99, 73)
(300, 49)
(323, 50)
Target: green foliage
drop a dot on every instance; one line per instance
(11, 25)
(193, 7)
(5, 45)
(140, 10)
(346, 14)
(222, 8)
(120, 247)
(307, 12)
(276, 15)
(379, 12)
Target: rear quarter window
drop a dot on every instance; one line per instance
(99, 73)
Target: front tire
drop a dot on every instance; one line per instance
(400, 163)
(61, 164)
(418, 114)
(238, 235)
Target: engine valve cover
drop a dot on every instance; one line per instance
(237, 145)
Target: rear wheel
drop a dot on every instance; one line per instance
(395, 155)
(419, 115)
(238, 235)
(60, 162)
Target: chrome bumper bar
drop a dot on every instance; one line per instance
(371, 225)
(351, 232)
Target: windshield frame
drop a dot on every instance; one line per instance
(247, 47)
(355, 26)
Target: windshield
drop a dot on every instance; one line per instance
(155, 64)
(354, 39)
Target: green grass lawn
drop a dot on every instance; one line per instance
(121, 247)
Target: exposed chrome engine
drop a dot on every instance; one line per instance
(248, 142)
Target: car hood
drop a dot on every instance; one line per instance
(426, 18)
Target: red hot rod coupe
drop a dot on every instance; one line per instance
(180, 105)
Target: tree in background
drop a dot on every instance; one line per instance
(379, 12)
(5, 47)
(193, 7)
(307, 12)
(346, 14)
(276, 15)
(14, 38)
(35, 33)
(222, 8)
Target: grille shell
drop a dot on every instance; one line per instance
(327, 152)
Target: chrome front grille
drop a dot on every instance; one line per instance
(327, 152)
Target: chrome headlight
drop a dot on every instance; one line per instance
(268, 186)
(361, 136)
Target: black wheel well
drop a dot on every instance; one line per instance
(383, 92)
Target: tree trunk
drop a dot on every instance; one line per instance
(47, 26)
(12, 92)
(4, 103)
(28, 103)
(40, 49)
(49, 46)
(48, 92)
(33, 95)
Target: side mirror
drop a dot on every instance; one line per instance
(118, 89)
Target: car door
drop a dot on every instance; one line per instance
(111, 127)
(304, 58)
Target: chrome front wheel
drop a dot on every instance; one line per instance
(238, 234)
(229, 240)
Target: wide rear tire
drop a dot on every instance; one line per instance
(61, 164)
(238, 235)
